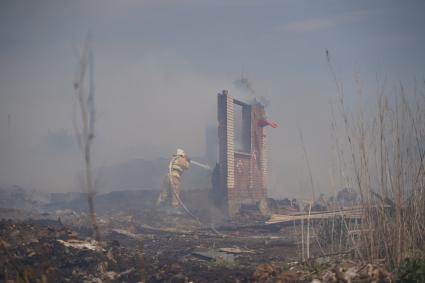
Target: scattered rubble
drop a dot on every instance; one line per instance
(151, 245)
(335, 272)
(33, 252)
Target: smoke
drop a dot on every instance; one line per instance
(159, 67)
(246, 87)
(146, 109)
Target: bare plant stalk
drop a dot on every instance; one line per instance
(308, 232)
(302, 240)
(308, 163)
(85, 133)
(386, 144)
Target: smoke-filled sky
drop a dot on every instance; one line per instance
(160, 64)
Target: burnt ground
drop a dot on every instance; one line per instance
(176, 250)
(199, 252)
(146, 244)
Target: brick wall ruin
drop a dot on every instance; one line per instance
(241, 172)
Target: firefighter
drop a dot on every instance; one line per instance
(172, 187)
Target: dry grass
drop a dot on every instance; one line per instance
(381, 156)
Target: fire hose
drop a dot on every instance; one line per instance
(185, 208)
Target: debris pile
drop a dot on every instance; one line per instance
(32, 252)
(148, 244)
(329, 272)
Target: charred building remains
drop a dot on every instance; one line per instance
(242, 168)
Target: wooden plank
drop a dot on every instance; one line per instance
(281, 218)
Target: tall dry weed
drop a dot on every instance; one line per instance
(380, 148)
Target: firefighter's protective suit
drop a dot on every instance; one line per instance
(172, 182)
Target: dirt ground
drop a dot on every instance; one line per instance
(179, 250)
(142, 243)
(154, 246)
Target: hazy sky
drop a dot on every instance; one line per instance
(160, 64)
